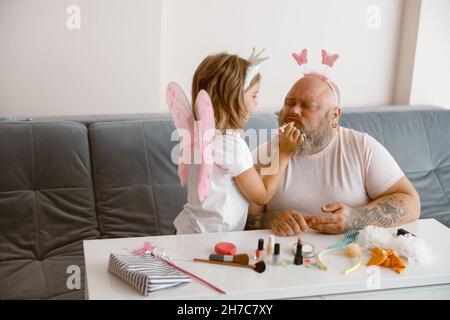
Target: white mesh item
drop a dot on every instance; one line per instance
(414, 249)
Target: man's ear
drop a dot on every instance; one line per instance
(336, 114)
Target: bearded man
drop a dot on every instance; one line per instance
(339, 179)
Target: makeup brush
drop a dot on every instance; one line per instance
(283, 127)
(259, 267)
(237, 258)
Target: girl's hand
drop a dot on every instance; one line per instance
(290, 140)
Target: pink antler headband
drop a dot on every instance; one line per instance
(327, 60)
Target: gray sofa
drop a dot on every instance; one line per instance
(63, 181)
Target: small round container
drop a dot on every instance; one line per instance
(309, 254)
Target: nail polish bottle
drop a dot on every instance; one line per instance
(276, 259)
(260, 251)
(270, 246)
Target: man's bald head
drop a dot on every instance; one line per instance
(317, 88)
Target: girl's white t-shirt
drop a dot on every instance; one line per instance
(226, 207)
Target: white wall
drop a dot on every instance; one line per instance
(111, 65)
(127, 50)
(365, 72)
(431, 77)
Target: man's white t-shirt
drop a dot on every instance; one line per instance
(353, 169)
(226, 208)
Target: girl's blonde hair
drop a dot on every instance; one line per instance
(222, 76)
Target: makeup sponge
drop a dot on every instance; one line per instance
(226, 248)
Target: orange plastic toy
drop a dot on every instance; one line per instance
(386, 258)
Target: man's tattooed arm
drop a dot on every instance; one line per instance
(388, 211)
(259, 220)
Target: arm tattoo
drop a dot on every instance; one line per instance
(387, 213)
(258, 221)
(254, 221)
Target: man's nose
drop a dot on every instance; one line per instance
(297, 109)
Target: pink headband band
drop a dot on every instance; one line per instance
(324, 78)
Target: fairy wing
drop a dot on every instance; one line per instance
(182, 115)
(206, 133)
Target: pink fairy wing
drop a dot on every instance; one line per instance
(206, 134)
(183, 118)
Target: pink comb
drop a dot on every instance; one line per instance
(327, 59)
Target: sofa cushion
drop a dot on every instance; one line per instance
(136, 183)
(418, 138)
(46, 207)
(136, 187)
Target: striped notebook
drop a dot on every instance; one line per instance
(146, 272)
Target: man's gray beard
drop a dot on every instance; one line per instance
(315, 141)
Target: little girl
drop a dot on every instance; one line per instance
(233, 84)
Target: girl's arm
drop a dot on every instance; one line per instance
(259, 189)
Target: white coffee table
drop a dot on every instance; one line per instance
(277, 282)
